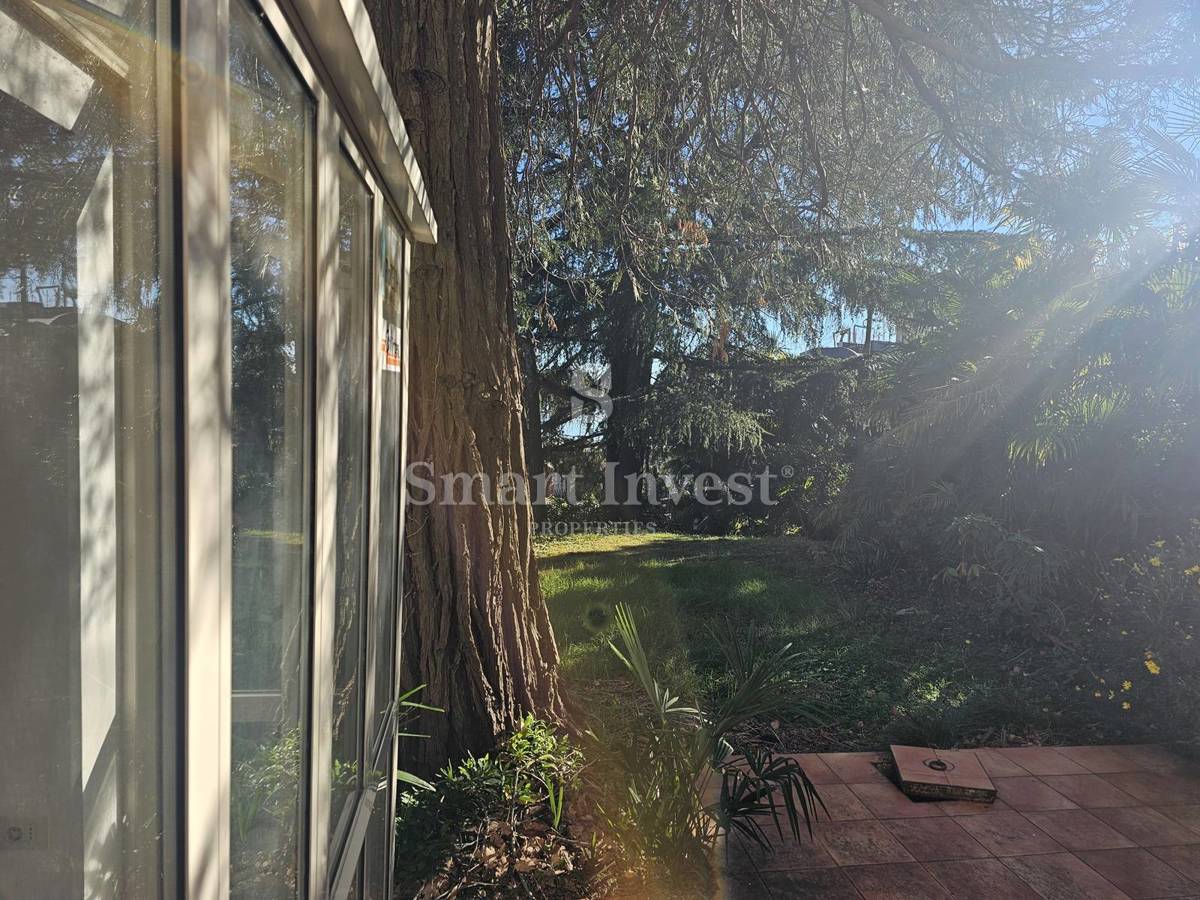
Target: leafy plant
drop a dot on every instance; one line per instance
(407, 707)
(680, 784)
(497, 815)
(266, 784)
(264, 793)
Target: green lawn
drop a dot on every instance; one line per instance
(866, 675)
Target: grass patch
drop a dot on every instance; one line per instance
(869, 674)
(677, 588)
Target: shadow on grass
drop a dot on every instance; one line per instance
(871, 676)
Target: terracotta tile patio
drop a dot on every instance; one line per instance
(1071, 823)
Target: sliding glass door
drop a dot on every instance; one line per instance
(390, 454)
(272, 135)
(352, 514)
(391, 390)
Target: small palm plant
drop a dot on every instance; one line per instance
(682, 784)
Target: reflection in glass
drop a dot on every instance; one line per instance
(375, 851)
(390, 391)
(353, 286)
(82, 570)
(271, 139)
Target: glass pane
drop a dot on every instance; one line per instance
(84, 315)
(354, 301)
(375, 852)
(271, 140)
(390, 389)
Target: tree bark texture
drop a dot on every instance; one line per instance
(475, 627)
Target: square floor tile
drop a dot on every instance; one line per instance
(1158, 788)
(1139, 873)
(1151, 756)
(815, 768)
(1042, 761)
(970, 808)
(841, 804)
(940, 838)
(1183, 859)
(1104, 760)
(981, 879)
(899, 881)
(1063, 876)
(1029, 793)
(742, 886)
(1184, 815)
(855, 768)
(1089, 791)
(1147, 827)
(746, 856)
(1009, 834)
(815, 884)
(1078, 829)
(888, 802)
(862, 844)
(998, 766)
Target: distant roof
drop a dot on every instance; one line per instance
(847, 350)
(842, 352)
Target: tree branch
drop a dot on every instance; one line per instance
(1009, 65)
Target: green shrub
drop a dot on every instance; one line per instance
(511, 800)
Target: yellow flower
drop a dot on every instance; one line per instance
(1127, 706)
(1096, 694)
(1192, 570)
(1160, 544)
(1153, 667)
(1156, 561)
(1127, 685)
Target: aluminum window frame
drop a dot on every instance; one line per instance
(379, 737)
(203, 237)
(328, 860)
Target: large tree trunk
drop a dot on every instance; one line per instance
(476, 630)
